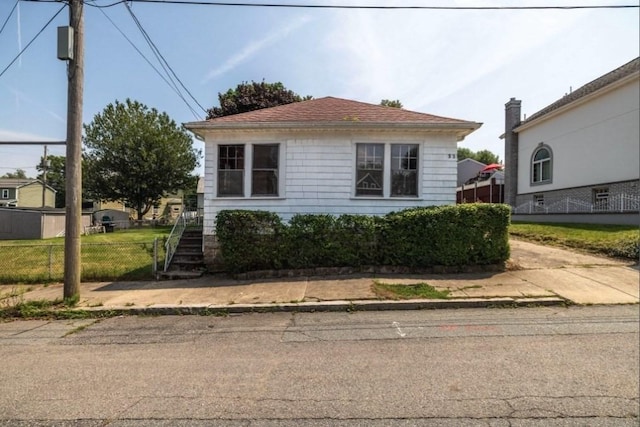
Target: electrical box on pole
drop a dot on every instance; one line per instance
(65, 43)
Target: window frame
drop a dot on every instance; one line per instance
(248, 169)
(382, 169)
(5, 193)
(539, 164)
(275, 170)
(387, 169)
(415, 170)
(242, 170)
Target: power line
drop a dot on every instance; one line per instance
(32, 40)
(328, 6)
(8, 17)
(140, 52)
(165, 65)
(371, 7)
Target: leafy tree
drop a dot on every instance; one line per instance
(18, 174)
(483, 156)
(391, 103)
(135, 155)
(487, 157)
(253, 96)
(55, 176)
(465, 153)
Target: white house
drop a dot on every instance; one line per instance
(579, 155)
(328, 155)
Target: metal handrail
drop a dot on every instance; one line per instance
(174, 239)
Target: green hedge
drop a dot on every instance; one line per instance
(470, 234)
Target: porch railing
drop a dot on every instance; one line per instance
(174, 239)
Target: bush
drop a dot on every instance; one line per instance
(471, 234)
(250, 240)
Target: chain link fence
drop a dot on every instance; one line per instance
(100, 261)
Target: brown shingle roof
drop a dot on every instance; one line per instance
(330, 109)
(605, 80)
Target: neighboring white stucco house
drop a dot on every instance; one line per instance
(580, 154)
(328, 155)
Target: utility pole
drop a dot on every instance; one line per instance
(73, 167)
(44, 177)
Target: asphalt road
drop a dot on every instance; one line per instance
(575, 366)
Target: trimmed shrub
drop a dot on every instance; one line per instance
(249, 240)
(470, 234)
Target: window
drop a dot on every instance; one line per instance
(230, 170)
(262, 170)
(5, 193)
(601, 199)
(541, 165)
(538, 200)
(264, 179)
(404, 170)
(369, 169)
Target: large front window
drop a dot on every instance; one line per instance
(541, 166)
(387, 170)
(264, 179)
(369, 169)
(404, 170)
(231, 170)
(248, 170)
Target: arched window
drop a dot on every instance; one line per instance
(541, 165)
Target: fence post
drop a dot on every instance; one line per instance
(50, 260)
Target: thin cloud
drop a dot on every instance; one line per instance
(21, 96)
(254, 47)
(421, 58)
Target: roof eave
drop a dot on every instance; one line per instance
(583, 99)
(462, 128)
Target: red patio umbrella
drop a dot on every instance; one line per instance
(492, 166)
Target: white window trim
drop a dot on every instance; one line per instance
(5, 193)
(533, 162)
(248, 170)
(386, 171)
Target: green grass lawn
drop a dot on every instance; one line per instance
(613, 240)
(123, 254)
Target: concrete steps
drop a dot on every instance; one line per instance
(188, 260)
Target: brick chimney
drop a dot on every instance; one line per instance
(511, 121)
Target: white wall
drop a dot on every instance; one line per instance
(594, 143)
(317, 175)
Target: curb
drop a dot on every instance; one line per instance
(331, 306)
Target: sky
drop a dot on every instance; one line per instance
(464, 64)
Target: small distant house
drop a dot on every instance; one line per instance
(578, 159)
(328, 155)
(467, 169)
(26, 193)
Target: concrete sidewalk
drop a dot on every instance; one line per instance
(536, 275)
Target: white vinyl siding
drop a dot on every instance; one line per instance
(318, 175)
